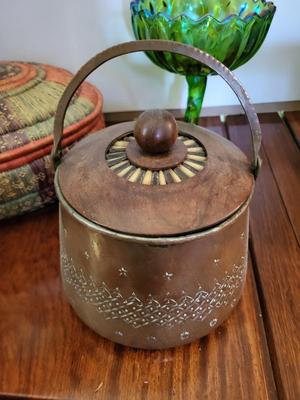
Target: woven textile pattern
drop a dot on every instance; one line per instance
(29, 95)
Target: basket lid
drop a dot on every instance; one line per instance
(29, 94)
(155, 177)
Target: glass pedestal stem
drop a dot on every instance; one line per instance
(196, 91)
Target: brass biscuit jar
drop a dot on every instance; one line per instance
(154, 218)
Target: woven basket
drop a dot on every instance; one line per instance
(29, 94)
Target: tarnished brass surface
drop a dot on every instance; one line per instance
(153, 296)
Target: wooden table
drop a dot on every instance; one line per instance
(46, 352)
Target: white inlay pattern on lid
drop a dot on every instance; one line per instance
(117, 161)
(162, 311)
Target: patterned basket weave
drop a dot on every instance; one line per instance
(29, 94)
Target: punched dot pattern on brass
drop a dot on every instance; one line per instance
(194, 163)
(164, 311)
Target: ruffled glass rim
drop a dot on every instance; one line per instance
(269, 9)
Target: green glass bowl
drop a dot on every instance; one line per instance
(231, 31)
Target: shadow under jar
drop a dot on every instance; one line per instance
(154, 219)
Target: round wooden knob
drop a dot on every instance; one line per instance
(156, 131)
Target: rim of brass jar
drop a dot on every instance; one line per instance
(159, 241)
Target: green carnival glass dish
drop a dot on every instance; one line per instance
(231, 31)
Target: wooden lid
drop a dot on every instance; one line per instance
(192, 183)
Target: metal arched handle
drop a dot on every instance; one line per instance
(157, 45)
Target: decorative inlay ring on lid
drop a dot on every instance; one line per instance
(187, 158)
(158, 161)
(154, 155)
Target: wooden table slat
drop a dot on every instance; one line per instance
(293, 120)
(277, 257)
(45, 351)
(284, 158)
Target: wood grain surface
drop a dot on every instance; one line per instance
(46, 352)
(102, 190)
(284, 158)
(275, 247)
(292, 119)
